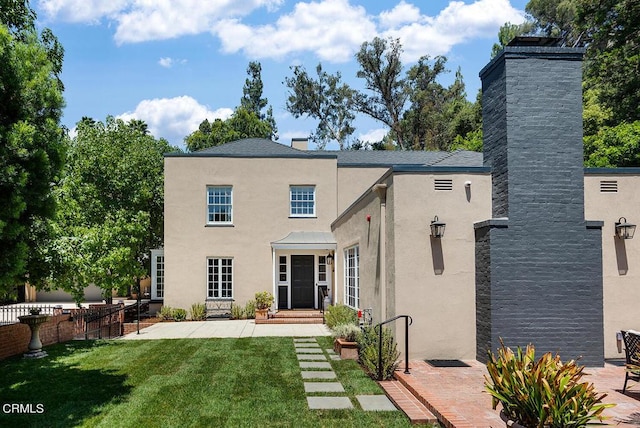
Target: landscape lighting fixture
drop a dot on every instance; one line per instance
(437, 228)
(624, 230)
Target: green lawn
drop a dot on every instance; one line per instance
(183, 383)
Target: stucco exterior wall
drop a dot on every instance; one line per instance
(354, 181)
(620, 268)
(260, 216)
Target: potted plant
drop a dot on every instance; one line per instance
(264, 300)
(345, 340)
(541, 393)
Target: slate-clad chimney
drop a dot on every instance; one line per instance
(538, 262)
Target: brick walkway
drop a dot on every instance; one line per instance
(456, 394)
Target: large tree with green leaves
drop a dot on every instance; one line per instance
(326, 99)
(111, 206)
(31, 142)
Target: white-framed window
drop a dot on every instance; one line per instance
(157, 274)
(322, 268)
(303, 201)
(352, 276)
(219, 278)
(219, 204)
(282, 269)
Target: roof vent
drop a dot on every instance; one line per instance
(608, 186)
(443, 184)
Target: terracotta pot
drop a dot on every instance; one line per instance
(262, 314)
(509, 422)
(346, 350)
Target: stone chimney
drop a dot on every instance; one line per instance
(300, 143)
(538, 262)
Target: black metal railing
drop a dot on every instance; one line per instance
(407, 322)
(9, 314)
(103, 322)
(322, 293)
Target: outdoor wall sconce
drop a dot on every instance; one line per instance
(330, 259)
(625, 230)
(437, 228)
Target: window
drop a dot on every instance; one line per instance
(282, 269)
(157, 274)
(322, 268)
(352, 277)
(303, 201)
(219, 278)
(219, 205)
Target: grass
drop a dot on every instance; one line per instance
(183, 383)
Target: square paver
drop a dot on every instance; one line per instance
(309, 350)
(323, 387)
(312, 357)
(335, 357)
(329, 403)
(314, 365)
(330, 351)
(306, 345)
(309, 374)
(376, 403)
(305, 340)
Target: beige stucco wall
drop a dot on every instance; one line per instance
(438, 292)
(260, 216)
(354, 181)
(620, 258)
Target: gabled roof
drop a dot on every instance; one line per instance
(306, 240)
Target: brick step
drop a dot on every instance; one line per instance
(297, 314)
(408, 403)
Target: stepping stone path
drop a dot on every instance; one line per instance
(319, 378)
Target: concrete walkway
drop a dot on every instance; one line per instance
(226, 328)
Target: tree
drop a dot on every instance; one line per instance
(31, 143)
(111, 206)
(325, 99)
(241, 124)
(617, 146)
(252, 100)
(381, 68)
(510, 31)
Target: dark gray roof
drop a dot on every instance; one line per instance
(264, 148)
(384, 158)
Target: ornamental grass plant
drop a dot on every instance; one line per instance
(541, 393)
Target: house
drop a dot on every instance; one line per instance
(530, 252)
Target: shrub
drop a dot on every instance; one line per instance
(179, 314)
(368, 352)
(264, 300)
(542, 393)
(250, 309)
(237, 312)
(348, 332)
(340, 314)
(165, 313)
(198, 312)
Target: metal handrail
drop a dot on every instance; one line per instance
(321, 296)
(407, 322)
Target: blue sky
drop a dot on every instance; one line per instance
(173, 63)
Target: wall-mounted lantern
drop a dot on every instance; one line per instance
(330, 259)
(625, 230)
(437, 228)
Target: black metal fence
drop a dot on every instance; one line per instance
(9, 314)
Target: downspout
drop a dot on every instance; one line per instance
(381, 191)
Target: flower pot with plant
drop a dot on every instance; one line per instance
(541, 393)
(264, 300)
(345, 341)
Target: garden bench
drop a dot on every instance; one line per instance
(632, 355)
(218, 308)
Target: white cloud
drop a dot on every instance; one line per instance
(332, 29)
(166, 62)
(88, 11)
(401, 14)
(374, 135)
(174, 118)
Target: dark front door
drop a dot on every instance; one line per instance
(302, 282)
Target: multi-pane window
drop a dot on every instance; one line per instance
(282, 268)
(352, 276)
(303, 201)
(219, 204)
(322, 268)
(219, 278)
(159, 277)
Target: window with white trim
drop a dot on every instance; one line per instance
(352, 276)
(219, 205)
(322, 268)
(282, 269)
(157, 274)
(219, 278)
(303, 201)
